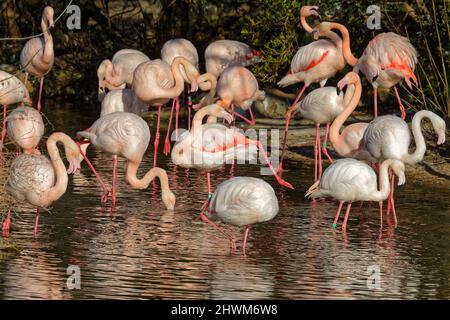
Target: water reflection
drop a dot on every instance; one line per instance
(142, 250)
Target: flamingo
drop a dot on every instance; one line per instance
(155, 83)
(349, 180)
(314, 62)
(40, 181)
(12, 91)
(126, 135)
(243, 201)
(221, 54)
(388, 137)
(209, 146)
(322, 106)
(25, 128)
(387, 59)
(122, 100)
(37, 56)
(118, 72)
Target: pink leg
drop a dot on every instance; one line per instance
(189, 112)
(402, 108)
(319, 151)
(347, 212)
(208, 182)
(6, 224)
(5, 108)
(324, 145)
(177, 111)
(114, 181)
(40, 94)
(232, 241)
(338, 212)
(155, 154)
(252, 117)
(391, 202)
(380, 205)
(375, 102)
(244, 242)
(167, 140)
(26, 79)
(36, 223)
(97, 176)
(286, 128)
(316, 157)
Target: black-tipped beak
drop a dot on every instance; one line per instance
(338, 90)
(375, 78)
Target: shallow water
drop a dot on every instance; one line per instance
(144, 251)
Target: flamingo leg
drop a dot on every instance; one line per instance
(97, 176)
(380, 205)
(177, 111)
(402, 108)
(114, 181)
(5, 109)
(318, 150)
(250, 121)
(375, 102)
(155, 154)
(324, 145)
(347, 212)
(167, 140)
(391, 203)
(6, 224)
(36, 223)
(244, 242)
(221, 230)
(286, 128)
(208, 182)
(338, 212)
(316, 156)
(40, 93)
(189, 111)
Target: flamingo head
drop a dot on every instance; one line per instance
(439, 128)
(216, 110)
(73, 157)
(369, 67)
(399, 169)
(168, 199)
(307, 11)
(350, 78)
(47, 14)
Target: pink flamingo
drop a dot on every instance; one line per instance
(315, 62)
(122, 100)
(243, 201)
(155, 83)
(40, 181)
(12, 91)
(322, 106)
(126, 135)
(118, 72)
(37, 56)
(25, 128)
(221, 54)
(388, 137)
(208, 146)
(387, 59)
(349, 180)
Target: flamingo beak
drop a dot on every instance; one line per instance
(225, 115)
(441, 137)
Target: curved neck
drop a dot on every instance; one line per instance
(419, 153)
(347, 52)
(383, 193)
(178, 88)
(339, 121)
(305, 24)
(208, 81)
(47, 55)
(143, 183)
(62, 179)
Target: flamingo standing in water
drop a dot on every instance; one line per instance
(12, 91)
(243, 201)
(349, 180)
(315, 62)
(118, 72)
(209, 146)
(126, 135)
(155, 83)
(388, 137)
(25, 128)
(37, 56)
(221, 54)
(387, 59)
(40, 181)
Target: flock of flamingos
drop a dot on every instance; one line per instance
(131, 83)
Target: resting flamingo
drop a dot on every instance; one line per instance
(12, 91)
(25, 128)
(122, 100)
(314, 62)
(40, 181)
(242, 201)
(387, 59)
(209, 146)
(37, 56)
(221, 54)
(117, 73)
(349, 180)
(155, 83)
(388, 137)
(126, 135)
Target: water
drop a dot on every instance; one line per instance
(144, 251)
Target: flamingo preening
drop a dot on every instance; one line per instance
(37, 56)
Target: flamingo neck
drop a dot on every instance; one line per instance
(143, 183)
(48, 54)
(305, 24)
(347, 52)
(383, 193)
(419, 153)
